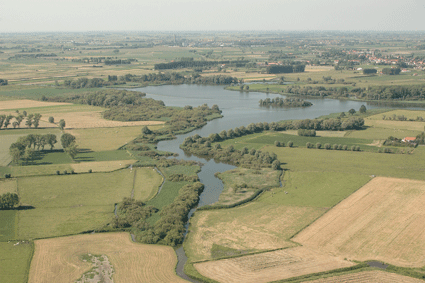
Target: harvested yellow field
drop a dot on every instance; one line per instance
(400, 126)
(26, 103)
(93, 119)
(58, 259)
(252, 227)
(270, 266)
(103, 139)
(368, 277)
(383, 221)
(101, 166)
(8, 186)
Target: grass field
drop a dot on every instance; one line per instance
(252, 227)
(361, 163)
(8, 186)
(103, 139)
(8, 219)
(146, 183)
(314, 189)
(270, 266)
(254, 179)
(58, 260)
(368, 277)
(383, 221)
(70, 204)
(15, 261)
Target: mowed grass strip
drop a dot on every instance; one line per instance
(374, 276)
(146, 183)
(253, 227)
(270, 266)
(15, 261)
(382, 221)
(103, 139)
(58, 260)
(101, 166)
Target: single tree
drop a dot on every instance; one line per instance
(62, 124)
(51, 119)
(51, 140)
(36, 120)
(362, 109)
(352, 111)
(7, 120)
(71, 150)
(67, 140)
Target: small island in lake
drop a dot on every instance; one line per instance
(285, 102)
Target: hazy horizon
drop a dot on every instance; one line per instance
(198, 16)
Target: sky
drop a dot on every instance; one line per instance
(217, 15)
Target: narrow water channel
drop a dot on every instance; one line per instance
(238, 109)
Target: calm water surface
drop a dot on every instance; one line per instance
(238, 109)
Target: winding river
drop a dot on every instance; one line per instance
(238, 109)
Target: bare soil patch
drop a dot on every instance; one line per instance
(270, 266)
(26, 103)
(382, 221)
(59, 259)
(368, 277)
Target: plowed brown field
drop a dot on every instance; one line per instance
(384, 220)
(57, 260)
(270, 266)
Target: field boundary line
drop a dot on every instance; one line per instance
(293, 236)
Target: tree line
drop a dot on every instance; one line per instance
(282, 69)
(194, 63)
(285, 102)
(31, 120)
(408, 92)
(152, 78)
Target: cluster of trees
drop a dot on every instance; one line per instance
(182, 177)
(9, 201)
(169, 229)
(393, 141)
(133, 213)
(117, 61)
(179, 78)
(369, 71)
(391, 71)
(420, 139)
(25, 147)
(285, 102)
(244, 157)
(408, 92)
(26, 56)
(190, 63)
(306, 133)
(280, 69)
(152, 78)
(179, 119)
(3, 82)
(105, 98)
(31, 120)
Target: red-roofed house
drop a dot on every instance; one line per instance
(408, 139)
